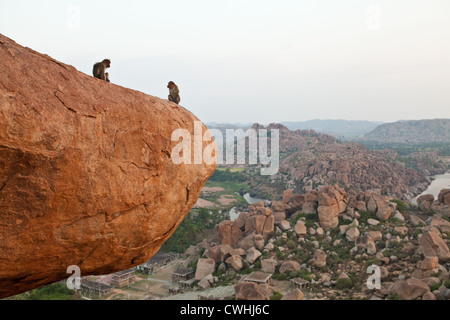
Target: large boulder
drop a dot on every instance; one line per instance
(319, 259)
(410, 289)
(432, 245)
(289, 266)
(260, 224)
(441, 224)
(235, 261)
(268, 265)
(425, 201)
(204, 267)
(379, 205)
(444, 197)
(328, 216)
(89, 172)
(294, 294)
(300, 228)
(252, 255)
(228, 233)
(250, 291)
(218, 253)
(330, 205)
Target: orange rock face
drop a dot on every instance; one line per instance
(86, 174)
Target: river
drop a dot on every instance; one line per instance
(250, 200)
(439, 182)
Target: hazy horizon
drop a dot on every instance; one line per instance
(257, 61)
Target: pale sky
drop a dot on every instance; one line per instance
(257, 61)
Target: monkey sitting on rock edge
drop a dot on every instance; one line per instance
(99, 70)
(174, 92)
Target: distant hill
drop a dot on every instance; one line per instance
(411, 132)
(336, 128)
(346, 129)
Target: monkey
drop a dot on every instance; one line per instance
(100, 68)
(107, 77)
(174, 92)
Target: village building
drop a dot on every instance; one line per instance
(182, 275)
(90, 288)
(123, 278)
(299, 283)
(259, 277)
(158, 261)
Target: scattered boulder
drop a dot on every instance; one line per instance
(205, 266)
(432, 245)
(366, 243)
(429, 296)
(228, 233)
(278, 206)
(441, 224)
(294, 294)
(352, 234)
(235, 262)
(250, 291)
(287, 195)
(424, 201)
(309, 208)
(410, 289)
(206, 281)
(319, 259)
(252, 255)
(289, 266)
(444, 197)
(429, 263)
(218, 253)
(416, 221)
(268, 265)
(284, 225)
(260, 224)
(300, 228)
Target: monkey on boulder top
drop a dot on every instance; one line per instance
(174, 95)
(99, 70)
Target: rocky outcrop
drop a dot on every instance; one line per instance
(86, 173)
(330, 205)
(228, 233)
(314, 159)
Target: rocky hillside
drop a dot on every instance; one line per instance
(319, 245)
(412, 132)
(86, 176)
(310, 159)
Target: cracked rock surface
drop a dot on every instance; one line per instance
(86, 175)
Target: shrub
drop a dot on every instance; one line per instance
(291, 244)
(344, 283)
(401, 206)
(276, 296)
(282, 277)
